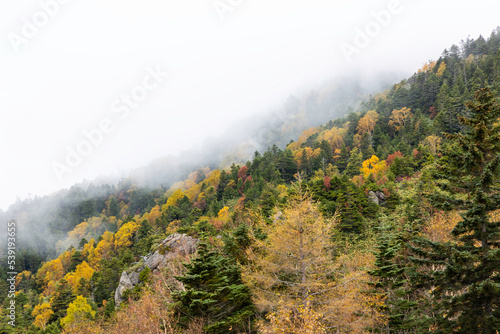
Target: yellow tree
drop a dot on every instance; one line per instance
(48, 274)
(123, 238)
(367, 124)
(223, 214)
(289, 319)
(309, 153)
(293, 263)
(441, 69)
(78, 232)
(400, 118)
(438, 227)
(83, 270)
(433, 143)
(213, 179)
(78, 310)
(152, 215)
(373, 166)
(335, 136)
(25, 275)
(292, 274)
(302, 139)
(173, 199)
(65, 258)
(42, 315)
(106, 246)
(91, 254)
(427, 67)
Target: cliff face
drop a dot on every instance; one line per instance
(172, 247)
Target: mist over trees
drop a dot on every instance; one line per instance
(321, 218)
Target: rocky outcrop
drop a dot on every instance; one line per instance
(377, 197)
(173, 246)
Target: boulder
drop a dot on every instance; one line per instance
(125, 284)
(180, 244)
(380, 195)
(377, 197)
(173, 246)
(373, 197)
(153, 261)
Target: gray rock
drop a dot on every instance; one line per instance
(154, 260)
(180, 243)
(373, 197)
(134, 278)
(380, 195)
(125, 284)
(173, 246)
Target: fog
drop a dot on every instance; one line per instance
(90, 88)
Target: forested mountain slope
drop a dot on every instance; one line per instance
(384, 220)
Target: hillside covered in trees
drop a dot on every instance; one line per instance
(385, 220)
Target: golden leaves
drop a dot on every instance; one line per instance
(302, 139)
(433, 143)
(78, 310)
(334, 136)
(441, 69)
(427, 67)
(294, 277)
(367, 123)
(83, 270)
(173, 199)
(50, 272)
(123, 238)
(42, 315)
(400, 118)
(373, 166)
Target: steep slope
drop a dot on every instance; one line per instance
(364, 173)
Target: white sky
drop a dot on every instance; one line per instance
(67, 76)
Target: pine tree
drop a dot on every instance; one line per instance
(63, 297)
(343, 159)
(354, 163)
(394, 274)
(287, 166)
(467, 284)
(349, 208)
(215, 293)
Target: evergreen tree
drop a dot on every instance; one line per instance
(63, 297)
(287, 166)
(354, 163)
(214, 292)
(343, 159)
(393, 269)
(349, 208)
(467, 288)
(365, 147)
(113, 207)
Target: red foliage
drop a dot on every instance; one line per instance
(242, 173)
(391, 157)
(432, 112)
(202, 205)
(241, 202)
(217, 224)
(326, 182)
(416, 154)
(382, 180)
